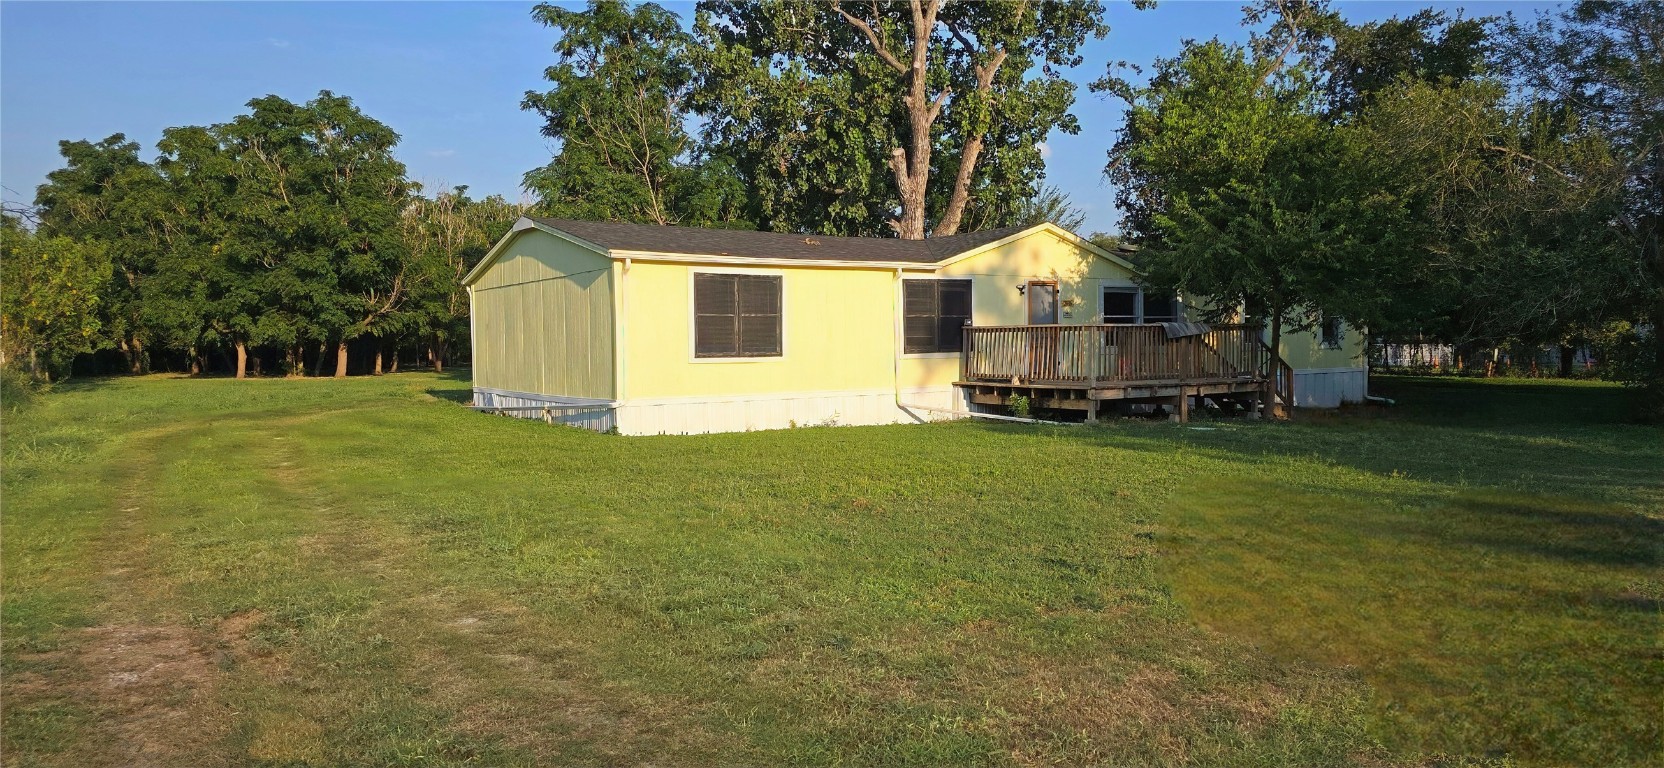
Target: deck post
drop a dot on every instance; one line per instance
(1254, 404)
(1091, 409)
(1181, 408)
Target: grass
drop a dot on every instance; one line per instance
(361, 572)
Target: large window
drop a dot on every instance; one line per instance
(934, 315)
(736, 315)
(1121, 305)
(1161, 308)
(1135, 305)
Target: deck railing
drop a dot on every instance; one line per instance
(1091, 355)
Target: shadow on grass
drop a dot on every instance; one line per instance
(455, 385)
(1508, 436)
(1483, 618)
(1451, 401)
(1565, 529)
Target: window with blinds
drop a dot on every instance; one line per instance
(736, 315)
(934, 315)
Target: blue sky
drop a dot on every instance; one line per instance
(447, 76)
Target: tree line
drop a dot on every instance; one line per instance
(1468, 180)
(275, 242)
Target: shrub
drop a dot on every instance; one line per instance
(1627, 353)
(1020, 406)
(17, 389)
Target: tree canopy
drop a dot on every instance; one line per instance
(901, 119)
(291, 228)
(1225, 171)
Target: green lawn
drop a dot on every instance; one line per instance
(362, 572)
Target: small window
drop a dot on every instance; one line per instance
(736, 315)
(934, 315)
(1161, 308)
(1121, 305)
(1332, 333)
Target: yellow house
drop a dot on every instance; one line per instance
(648, 329)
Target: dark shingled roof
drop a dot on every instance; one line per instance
(771, 245)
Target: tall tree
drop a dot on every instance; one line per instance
(108, 195)
(1510, 232)
(1225, 170)
(1605, 60)
(1428, 46)
(319, 196)
(617, 107)
(917, 89)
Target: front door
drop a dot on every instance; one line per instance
(1043, 342)
(1042, 303)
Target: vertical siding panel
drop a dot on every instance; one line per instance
(538, 309)
(560, 341)
(516, 324)
(576, 337)
(596, 365)
(537, 336)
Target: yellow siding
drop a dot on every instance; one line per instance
(543, 320)
(1079, 273)
(838, 334)
(1302, 350)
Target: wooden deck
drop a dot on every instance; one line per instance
(1078, 367)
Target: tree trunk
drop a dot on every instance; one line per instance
(126, 355)
(439, 350)
(395, 366)
(196, 361)
(242, 359)
(1567, 352)
(968, 155)
(377, 371)
(340, 359)
(318, 366)
(137, 364)
(911, 163)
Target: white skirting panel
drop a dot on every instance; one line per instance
(598, 415)
(1329, 387)
(744, 413)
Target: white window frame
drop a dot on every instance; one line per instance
(693, 316)
(1138, 303)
